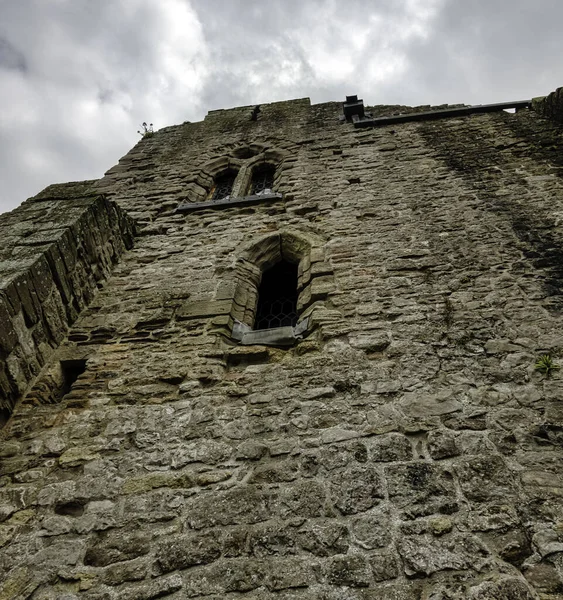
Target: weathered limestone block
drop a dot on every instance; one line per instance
(442, 444)
(197, 310)
(544, 578)
(242, 504)
(390, 448)
(324, 538)
(485, 478)
(421, 489)
(152, 588)
(116, 546)
(357, 489)
(352, 571)
(426, 555)
(506, 589)
(420, 405)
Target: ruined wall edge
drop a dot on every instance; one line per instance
(550, 106)
(59, 246)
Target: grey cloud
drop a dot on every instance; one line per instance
(471, 52)
(262, 41)
(95, 70)
(489, 51)
(11, 57)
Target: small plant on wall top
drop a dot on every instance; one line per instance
(146, 130)
(546, 365)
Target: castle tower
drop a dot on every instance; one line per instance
(291, 352)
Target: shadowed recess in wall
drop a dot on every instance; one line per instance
(277, 297)
(57, 382)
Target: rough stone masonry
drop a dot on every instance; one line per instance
(397, 444)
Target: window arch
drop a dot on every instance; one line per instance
(279, 280)
(247, 176)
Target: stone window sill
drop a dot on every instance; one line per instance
(231, 203)
(277, 336)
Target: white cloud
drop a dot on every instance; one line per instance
(338, 45)
(78, 77)
(94, 72)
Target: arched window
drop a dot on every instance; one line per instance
(281, 279)
(223, 185)
(277, 297)
(262, 180)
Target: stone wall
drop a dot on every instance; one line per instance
(406, 448)
(550, 106)
(57, 248)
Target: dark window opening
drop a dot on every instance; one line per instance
(262, 180)
(70, 509)
(223, 186)
(58, 381)
(277, 297)
(4, 416)
(71, 371)
(255, 113)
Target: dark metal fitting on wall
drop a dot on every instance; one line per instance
(353, 109)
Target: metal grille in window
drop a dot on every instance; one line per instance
(262, 181)
(277, 297)
(223, 186)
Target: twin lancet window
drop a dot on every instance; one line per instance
(248, 175)
(261, 183)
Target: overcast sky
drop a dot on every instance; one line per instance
(77, 77)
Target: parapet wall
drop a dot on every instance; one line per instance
(57, 248)
(550, 106)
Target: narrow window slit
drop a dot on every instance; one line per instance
(223, 186)
(70, 509)
(5, 415)
(71, 371)
(52, 387)
(262, 180)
